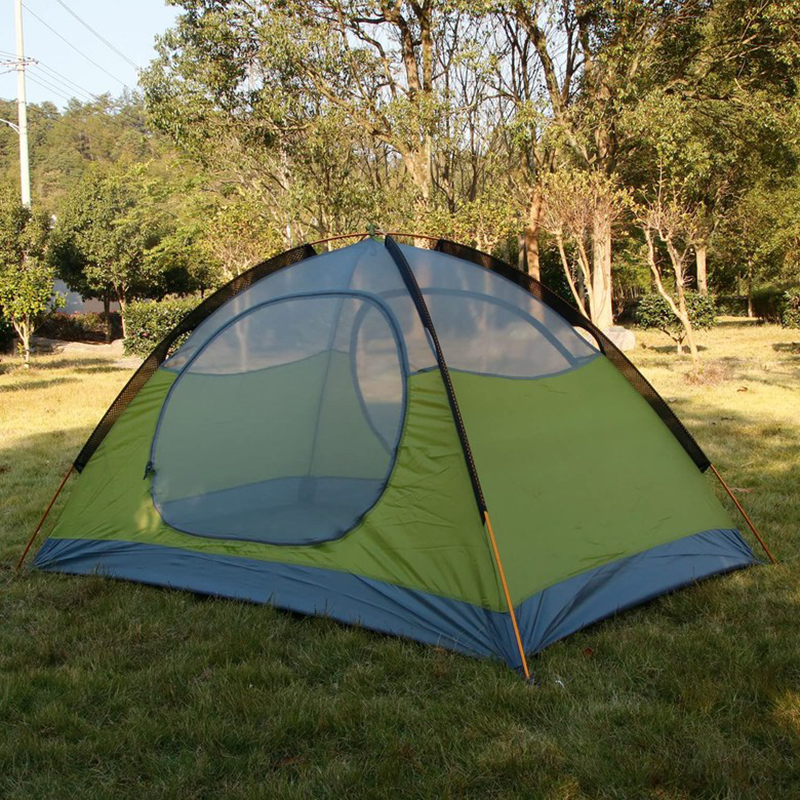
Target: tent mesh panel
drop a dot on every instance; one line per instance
(608, 348)
(422, 307)
(186, 325)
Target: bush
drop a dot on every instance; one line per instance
(768, 303)
(80, 327)
(7, 334)
(790, 314)
(148, 322)
(731, 305)
(654, 312)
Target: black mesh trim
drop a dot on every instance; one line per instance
(186, 325)
(425, 315)
(607, 347)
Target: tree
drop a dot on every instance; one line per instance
(111, 221)
(665, 220)
(654, 311)
(26, 279)
(573, 202)
(591, 55)
(303, 100)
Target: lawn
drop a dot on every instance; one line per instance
(120, 690)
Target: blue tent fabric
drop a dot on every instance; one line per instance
(543, 619)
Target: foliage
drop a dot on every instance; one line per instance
(150, 321)
(790, 316)
(767, 303)
(7, 332)
(654, 311)
(81, 327)
(104, 244)
(576, 203)
(26, 280)
(270, 124)
(731, 305)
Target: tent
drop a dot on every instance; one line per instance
(425, 442)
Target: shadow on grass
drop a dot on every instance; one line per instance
(30, 385)
(739, 322)
(672, 349)
(90, 364)
(787, 347)
(762, 460)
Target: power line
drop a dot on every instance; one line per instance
(47, 78)
(52, 88)
(65, 80)
(119, 80)
(99, 36)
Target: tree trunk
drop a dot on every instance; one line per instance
(750, 311)
(24, 333)
(532, 234)
(687, 326)
(122, 304)
(602, 314)
(701, 252)
(107, 312)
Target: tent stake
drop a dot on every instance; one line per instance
(44, 517)
(743, 513)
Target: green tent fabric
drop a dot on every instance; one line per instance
(344, 433)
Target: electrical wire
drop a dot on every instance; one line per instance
(70, 85)
(50, 87)
(99, 36)
(46, 80)
(80, 52)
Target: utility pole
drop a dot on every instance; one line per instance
(22, 110)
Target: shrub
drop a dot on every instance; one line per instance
(7, 334)
(731, 305)
(768, 303)
(654, 312)
(790, 315)
(148, 322)
(80, 327)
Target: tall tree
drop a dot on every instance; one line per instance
(26, 279)
(111, 220)
(280, 84)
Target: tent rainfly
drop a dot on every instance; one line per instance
(419, 441)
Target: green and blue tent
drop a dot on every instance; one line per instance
(425, 442)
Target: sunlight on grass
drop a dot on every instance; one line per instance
(120, 690)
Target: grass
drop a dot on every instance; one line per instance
(120, 690)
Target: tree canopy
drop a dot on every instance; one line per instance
(539, 131)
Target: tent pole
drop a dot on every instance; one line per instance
(427, 322)
(743, 513)
(502, 574)
(44, 517)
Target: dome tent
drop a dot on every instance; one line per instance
(335, 432)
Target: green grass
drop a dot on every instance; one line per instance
(120, 690)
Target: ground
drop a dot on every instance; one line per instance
(120, 690)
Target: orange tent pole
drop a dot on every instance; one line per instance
(510, 605)
(743, 513)
(44, 517)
